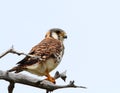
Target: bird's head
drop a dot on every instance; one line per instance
(56, 33)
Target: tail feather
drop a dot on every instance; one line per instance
(17, 69)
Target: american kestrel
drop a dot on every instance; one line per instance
(50, 51)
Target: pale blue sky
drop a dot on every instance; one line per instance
(92, 56)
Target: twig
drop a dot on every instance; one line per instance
(5, 53)
(60, 75)
(11, 50)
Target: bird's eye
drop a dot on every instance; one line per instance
(58, 32)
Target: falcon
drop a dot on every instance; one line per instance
(46, 55)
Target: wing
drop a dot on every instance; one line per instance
(45, 49)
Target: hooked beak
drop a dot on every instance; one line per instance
(65, 37)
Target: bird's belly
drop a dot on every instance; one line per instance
(51, 64)
(42, 68)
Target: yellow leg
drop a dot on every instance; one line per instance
(49, 78)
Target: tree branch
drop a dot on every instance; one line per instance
(27, 80)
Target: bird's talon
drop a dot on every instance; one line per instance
(51, 79)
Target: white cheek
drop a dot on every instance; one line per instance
(54, 35)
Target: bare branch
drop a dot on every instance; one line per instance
(27, 80)
(60, 75)
(5, 53)
(11, 50)
(11, 86)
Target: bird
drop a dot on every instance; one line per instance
(47, 55)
